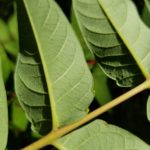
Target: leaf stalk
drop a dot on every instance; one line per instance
(55, 134)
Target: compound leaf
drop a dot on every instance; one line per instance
(118, 37)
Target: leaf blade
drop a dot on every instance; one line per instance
(147, 2)
(69, 82)
(146, 12)
(3, 114)
(102, 91)
(111, 53)
(132, 36)
(100, 135)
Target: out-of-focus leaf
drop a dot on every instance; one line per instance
(36, 135)
(4, 32)
(3, 114)
(13, 28)
(12, 48)
(19, 119)
(147, 3)
(101, 88)
(9, 35)
(7, 65)
(99, 135)
(146, 12)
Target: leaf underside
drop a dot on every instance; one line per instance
(103, 39)
(99, 135)
(133, 32)
(52, 80)
(3, 114)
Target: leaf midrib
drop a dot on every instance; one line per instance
(145, 73)
(48, 81)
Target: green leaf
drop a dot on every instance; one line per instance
(147, 2)
(146, 12)
(4, 32)
(116, 37)
(9, 35)
(12, 48)
(134, 34)
(7, 65)
(3, 114)
(102, 92)
(52, 80)
(99, 135)
(19, 119)
(12, 25)
(87, 53)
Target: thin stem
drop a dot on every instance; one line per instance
(52, 136)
